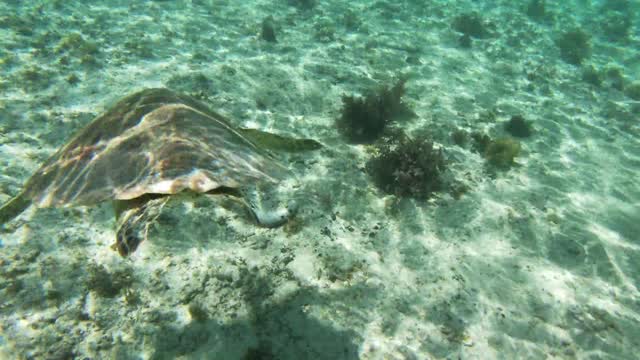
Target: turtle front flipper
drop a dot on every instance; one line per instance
(13, 208)
(267, 207)
(133, 218)
(273, 218)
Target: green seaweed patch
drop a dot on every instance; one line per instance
(340, 265)
(480, 142)
(35, 78)
(351, 20)
(488, 116)
(471, 25)
(575, 46)
(140, 47)
(407, 167)
(73, 79)
(364, 119)
(8, 61)
(89, 60)
(614, 76)
(294, 226)
(460, 137)
(75, 43)
(108, 284)
(592, 76)
(633, 90)
(501, 153)
(324, 30)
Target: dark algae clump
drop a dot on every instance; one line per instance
(407, 167)
(518, 126)
(536, 9)
(614, 77)
(364, 119)
(303, 4)
(108, 284)
(34, 78)
(75, 42)
(480, 142)
(470, 24)
(268, 32)
(592, 76)
(575, 46)
(459, 137)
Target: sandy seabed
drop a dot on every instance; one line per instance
(540, 261)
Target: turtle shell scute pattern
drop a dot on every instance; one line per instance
(153, 141)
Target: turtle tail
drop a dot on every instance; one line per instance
(13, 208)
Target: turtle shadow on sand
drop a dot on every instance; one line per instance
(202, 223)
(153, 144)
(272, 329)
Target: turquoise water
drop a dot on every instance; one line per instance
(465, 180)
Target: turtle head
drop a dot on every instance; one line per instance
(273, 218)
(133, 218)
(127, 241)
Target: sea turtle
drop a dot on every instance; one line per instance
(152, 144)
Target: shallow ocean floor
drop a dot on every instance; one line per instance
(537, 261)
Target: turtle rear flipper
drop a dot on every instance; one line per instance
(275, 142)
(133, 218)
(13, 208)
